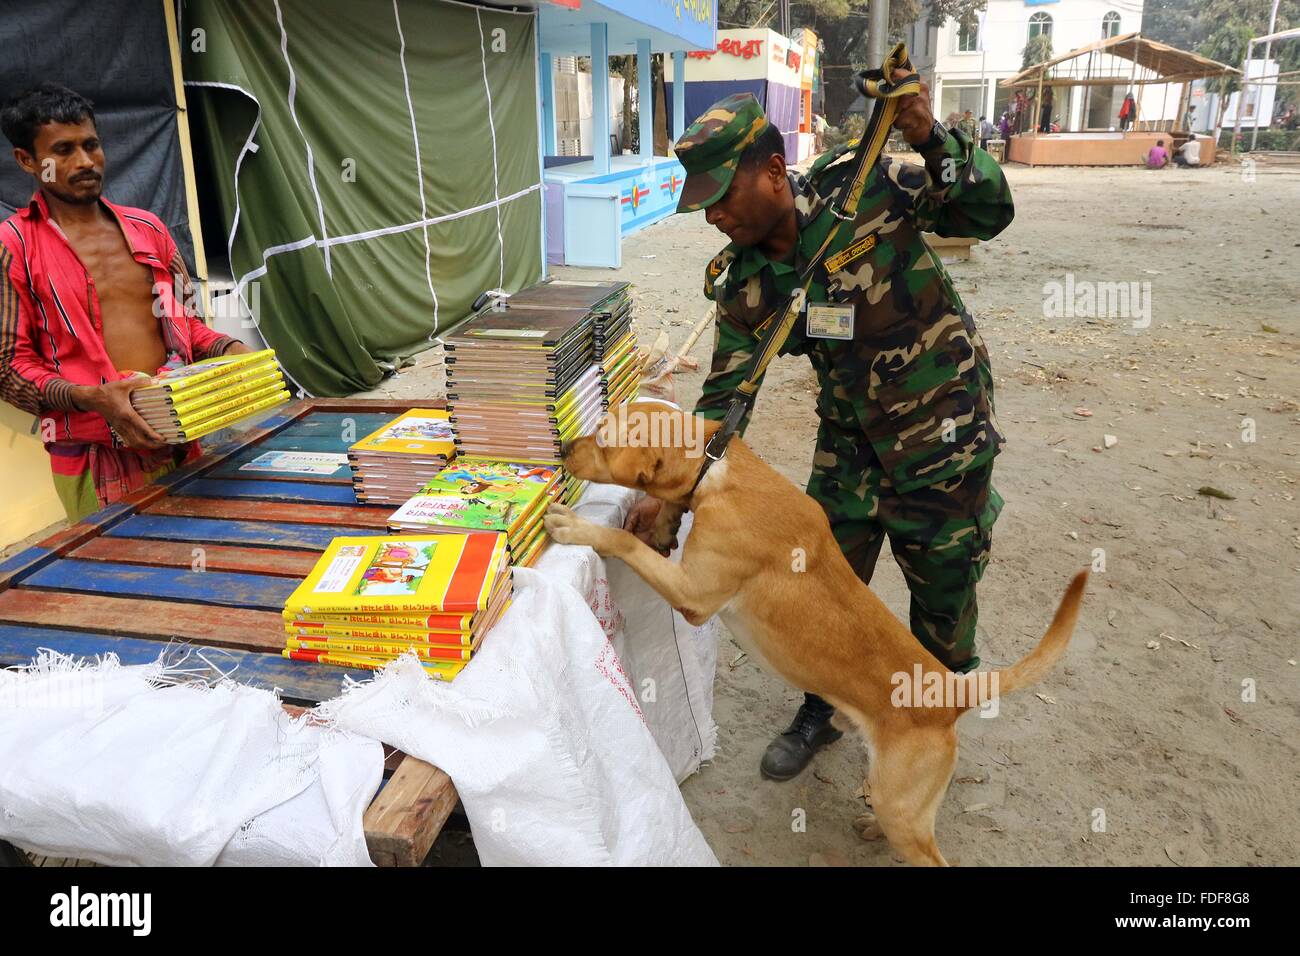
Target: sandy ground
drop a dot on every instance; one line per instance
(1139, 748)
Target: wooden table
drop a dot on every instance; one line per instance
(123, 581)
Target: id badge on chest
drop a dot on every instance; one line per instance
(829, 321)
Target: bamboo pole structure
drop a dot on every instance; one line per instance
(187, 159)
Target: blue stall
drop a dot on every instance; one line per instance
(593, 201)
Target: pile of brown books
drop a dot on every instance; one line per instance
(522, 381)
(614, 345)
(395, 462)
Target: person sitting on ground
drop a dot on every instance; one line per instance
(1189, 154)
(1158, 158)
(72, 359)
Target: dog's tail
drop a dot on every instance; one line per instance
(984, 686)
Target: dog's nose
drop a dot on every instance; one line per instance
(565, 446)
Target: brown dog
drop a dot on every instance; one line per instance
(761, 555)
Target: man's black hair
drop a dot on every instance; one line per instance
(22, 115)
(768, 144)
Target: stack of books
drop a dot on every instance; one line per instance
(371, 599)
(614, 345)
(616, 353)
(520, 382)
(490, 495)
(391, 465)
(191, 401)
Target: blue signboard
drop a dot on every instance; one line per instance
(695, 21)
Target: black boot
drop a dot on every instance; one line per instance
(789, 753)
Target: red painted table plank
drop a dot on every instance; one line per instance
(216, 557)
(232, 509)
(138, 617)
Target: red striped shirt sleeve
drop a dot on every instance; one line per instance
(27, 381)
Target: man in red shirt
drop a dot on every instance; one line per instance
(91, 293)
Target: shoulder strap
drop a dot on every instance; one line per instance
(843, 205)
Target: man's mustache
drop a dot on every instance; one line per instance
(86, 177)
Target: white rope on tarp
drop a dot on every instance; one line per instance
(492, 126)
(378, 233)
(419, 165)
(293, 112)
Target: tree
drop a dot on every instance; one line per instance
(842, 27)
(1037, 50)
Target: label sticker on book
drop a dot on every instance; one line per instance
(340, 570)
(830, 321)
(297, 462)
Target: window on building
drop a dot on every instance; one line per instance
(967, 38)
(1109, 25)
(1040, 23)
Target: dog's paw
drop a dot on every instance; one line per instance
(564, 526)
(868, 827)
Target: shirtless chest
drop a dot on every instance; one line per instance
(131, 332)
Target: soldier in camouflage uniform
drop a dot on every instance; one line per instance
(907, 437)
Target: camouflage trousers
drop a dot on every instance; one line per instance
(940, 536)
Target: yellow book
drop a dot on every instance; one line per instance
(421, 431)
(453, 572)
(239, 402)
(258, 377)
(439, 670)
(430, 652)
(197, 373)
(209, 425)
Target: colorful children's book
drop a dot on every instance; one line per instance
(419, 432)
(448, 573)
(478, 494)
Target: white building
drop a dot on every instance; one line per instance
(964, 67)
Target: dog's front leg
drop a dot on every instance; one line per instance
(696, 596)
(663, 537)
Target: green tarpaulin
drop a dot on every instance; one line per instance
(375, 163)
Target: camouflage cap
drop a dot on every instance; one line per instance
(710, 148)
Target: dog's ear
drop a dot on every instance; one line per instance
(648, 468)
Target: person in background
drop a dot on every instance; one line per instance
(987, 132)
(1045, 112)
(1158, 157)
(1189, 154)
(92, 294)
(953, 120)
(1004, 125)
(969, 126)
(1127, 111)
(819, 127)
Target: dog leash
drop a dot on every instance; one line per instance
(873, 84)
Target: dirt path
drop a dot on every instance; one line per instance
(1158, 739)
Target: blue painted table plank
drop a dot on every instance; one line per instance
(267, 534)
(297, 680)
(302, 491)
(331, 425)
(226, 588)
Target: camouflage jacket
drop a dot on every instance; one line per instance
(915, 377)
